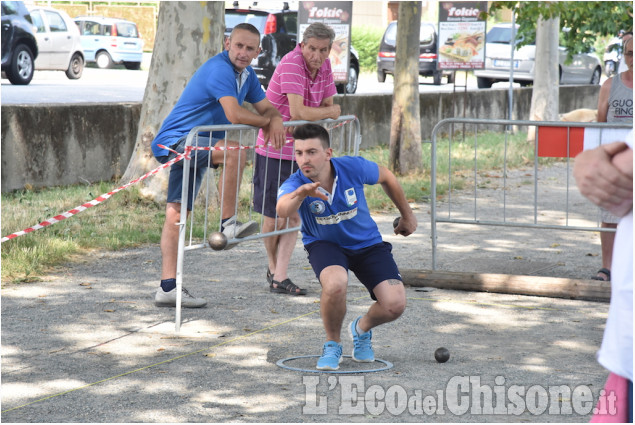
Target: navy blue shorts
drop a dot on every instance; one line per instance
(371, 265)
(200, 162)
(266, 187)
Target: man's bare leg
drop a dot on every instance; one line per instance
(390, 304)
(271, 243)
(607, 239)
(170, 240)
(229, 180)
(334, 280)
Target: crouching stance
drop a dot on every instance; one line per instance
(339, 235)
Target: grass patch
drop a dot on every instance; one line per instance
(125, 220)
(491, 155)
(128, 219)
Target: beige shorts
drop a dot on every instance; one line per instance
(607, 217)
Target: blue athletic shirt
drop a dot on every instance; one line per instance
(199, 105)
(345, 218)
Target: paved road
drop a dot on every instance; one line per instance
(88, 345)
(122, 85)
(96, 85)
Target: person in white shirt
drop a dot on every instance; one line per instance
(605, 176)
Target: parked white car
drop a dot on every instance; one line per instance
(110, 41)
(585, 68)
(612, 57)
(59, 44)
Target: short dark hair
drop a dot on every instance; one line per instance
(246, 27)
(312, 131)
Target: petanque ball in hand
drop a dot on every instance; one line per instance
(442, 354)
(217, 241)
(395, 223)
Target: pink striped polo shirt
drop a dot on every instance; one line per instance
(292, 76)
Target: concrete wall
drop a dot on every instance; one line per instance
(374, 111)
(53, 145)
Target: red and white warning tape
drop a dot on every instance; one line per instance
(106, 196)
(92, 203)
(328, 128)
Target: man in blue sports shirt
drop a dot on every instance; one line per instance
(214, 95)
(339, 234)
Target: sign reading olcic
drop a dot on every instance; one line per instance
(462, 35)
(337, 15)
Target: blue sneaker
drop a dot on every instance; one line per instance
(362, 347)
(331, 356)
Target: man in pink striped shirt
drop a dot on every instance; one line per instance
(301, 88)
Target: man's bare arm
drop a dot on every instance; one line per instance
(290, 203)
(390, 184)
(601, 181)
(603, 100)
(236, 114)
(300, 112)
(274, 132)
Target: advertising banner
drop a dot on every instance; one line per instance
(337, 15)
(462, 35)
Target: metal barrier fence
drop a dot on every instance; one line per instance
(552, 139)
(345, 140)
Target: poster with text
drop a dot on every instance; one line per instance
(337, 15)
(461, 35)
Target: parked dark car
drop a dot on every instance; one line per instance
(19, 45)
(279, 33)
(427, 54)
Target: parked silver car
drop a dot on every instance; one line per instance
(585, 68)
(58, 41)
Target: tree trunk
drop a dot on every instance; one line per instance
(544, 98)
(188, 34)
(405, 126)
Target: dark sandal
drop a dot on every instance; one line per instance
(605, 272)
(269, 277)
(286, 287)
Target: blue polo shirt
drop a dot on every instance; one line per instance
(199, 105)
(344, 219)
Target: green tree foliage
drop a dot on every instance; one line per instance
(366, 41)
(583, 21)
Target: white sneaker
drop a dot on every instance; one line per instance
(235, 229)
(168, 299)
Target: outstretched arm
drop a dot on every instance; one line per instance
(408, 223)
(290, 203)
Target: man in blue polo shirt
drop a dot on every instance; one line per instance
(214, 95)
(339, 235)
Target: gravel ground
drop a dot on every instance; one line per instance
(88, 344)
